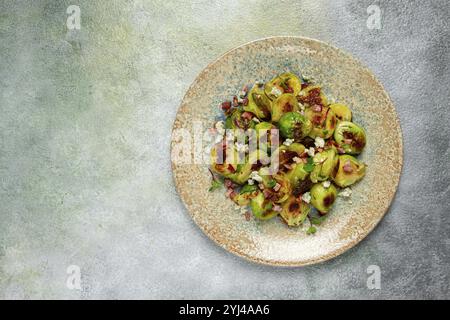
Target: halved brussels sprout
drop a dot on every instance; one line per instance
(262, 208)
(258, 103)
(350, 137)
(246, 194)
(224, 159)
(293, 125)
(342, 112)
(297, 174)
(284, 103)
(244, 170)
(284, 83)
(296, 147)
(236, 121)
(312, 95)
(323, 121)
(349, 170)
(324, 164)
(284, 155)
(294, 211)
(263, 129)
(323, 198)
(272, 191)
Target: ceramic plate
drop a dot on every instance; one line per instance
(345, 80)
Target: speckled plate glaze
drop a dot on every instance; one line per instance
(345, 80)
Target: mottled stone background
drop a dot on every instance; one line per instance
(85, 127)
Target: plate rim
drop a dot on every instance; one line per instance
(361, 236)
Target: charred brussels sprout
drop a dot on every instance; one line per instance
(283, 104)
(264, 135)
(258, 103)
(349, 170)
(224, 160)
(284, 83)
(293, 125)
(297, 174)
(277, 188)
(350, 137)
(285, 155)
(342, 112)
(262, 208)
(294, 211)
(324, 164)
(312, 96)
(323, 198)
(323, 121)
(244, 169)
(246, 194)
(237, 121)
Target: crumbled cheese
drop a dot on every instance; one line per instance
(319, 142)
(255, 119)
(218, 139)
(311, 152)
(251, 182)
(240, 147)
(288, 142)
(326, 184)
(346, 193)
(255, 176)
(302, 108)
(297, 159)
(230, 135)
(306, 197)
(275, 91)
(220, 127)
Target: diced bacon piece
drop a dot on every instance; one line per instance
(226, 105)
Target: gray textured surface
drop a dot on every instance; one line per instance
(84, 151)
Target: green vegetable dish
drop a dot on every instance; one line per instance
(313, 140)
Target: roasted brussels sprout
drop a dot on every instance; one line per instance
(297, 174)
(342, 112)
(324, 163)
(348, 171)
(312, 96)
(323, 121)
(258, 103)
(296, 147)
(323, 198)
(293, 125)
(350, 137)
(285, 155)
(244, 170)
(263, 130)
(284, 103)
(284, 83)
(224, 159)
(246, 193)
(294, 211)
(236, 121)
(277, 188)
(262, 208)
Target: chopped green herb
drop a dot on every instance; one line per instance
(215, 184)
(309, 166)
(248, 188)
(311, 230)
(317, 220)
(272, 183)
